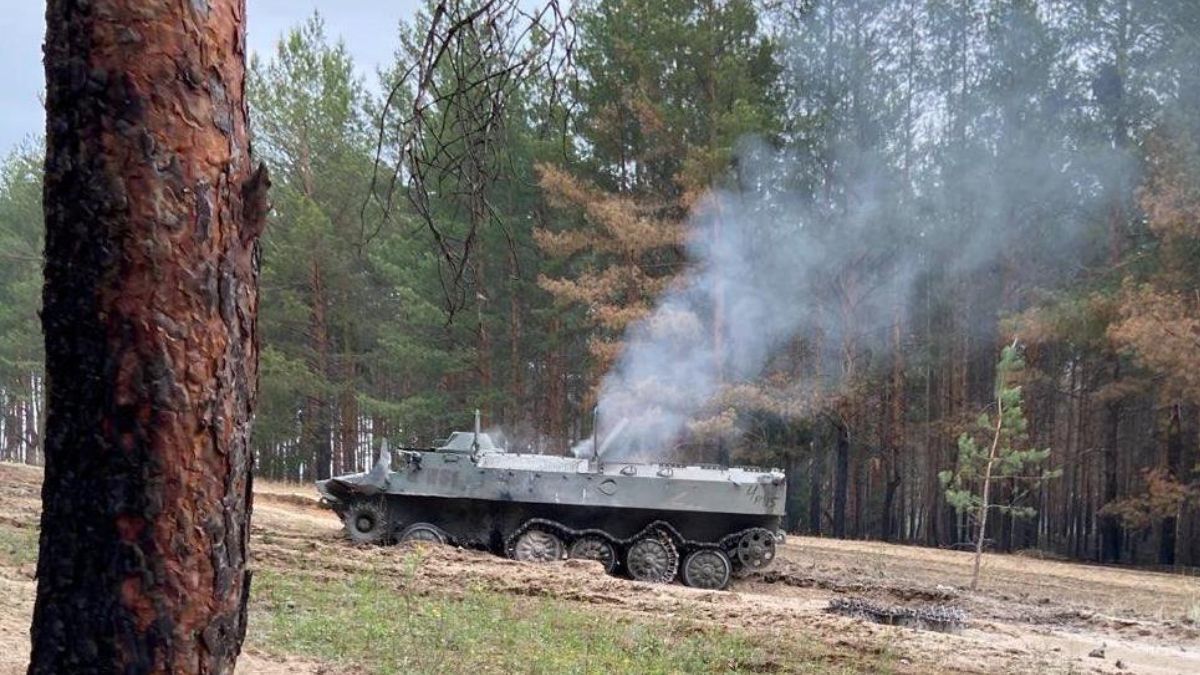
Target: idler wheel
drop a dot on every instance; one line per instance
(595, 547)
(423, 532)
(536, 545)
(366, 522)
(707, 568)
(652, 559)
(756, 549)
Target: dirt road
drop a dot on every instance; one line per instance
(1030, 616)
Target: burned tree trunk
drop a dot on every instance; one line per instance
(153, 214)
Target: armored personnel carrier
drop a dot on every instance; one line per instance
(651, 521)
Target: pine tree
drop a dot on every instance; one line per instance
(669, 89)
(311, 128)
(21, 359)
(153, 210)
(1001, 456)
(1159, 322)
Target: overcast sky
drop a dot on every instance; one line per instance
(369, 28)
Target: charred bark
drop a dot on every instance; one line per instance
(153, 213)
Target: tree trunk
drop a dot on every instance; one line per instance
(841, 478)
(860, 477)
(348, 426)
(556, 419)
(815, 479)
(317, 423)
(985, 497)
(9, 441)
(151, 294)
(483, 337)
(1166, 533)
(889, 520)
(517, 417)
(1110, 527)
(33, 430)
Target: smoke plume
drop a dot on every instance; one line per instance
(760, 269)
(898, 190)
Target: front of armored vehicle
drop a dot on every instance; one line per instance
(340, 491)
(337, 492)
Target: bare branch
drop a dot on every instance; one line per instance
(444, 114)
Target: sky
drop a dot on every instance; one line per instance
(369, 28)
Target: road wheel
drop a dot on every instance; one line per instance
(652, 559)
(595, 547)
(537, 545)
(366, 522)
(707, 568)
(423, 532)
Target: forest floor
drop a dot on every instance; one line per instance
(321, 605)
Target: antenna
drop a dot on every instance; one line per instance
(475, 441)
(595, 431)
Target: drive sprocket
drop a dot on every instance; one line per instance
(756, 549)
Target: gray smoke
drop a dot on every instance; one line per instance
(768, 268)
(894, 193)
(762, 268)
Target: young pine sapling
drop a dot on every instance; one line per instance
(996, 450)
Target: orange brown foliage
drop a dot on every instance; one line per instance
(1159, 320)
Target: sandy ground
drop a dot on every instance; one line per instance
(1029, 616)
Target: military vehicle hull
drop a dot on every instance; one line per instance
(653, 522)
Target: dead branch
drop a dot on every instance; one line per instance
(444, 114)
